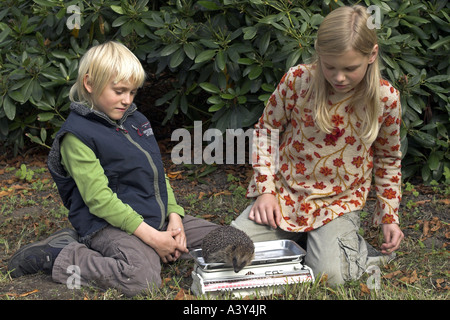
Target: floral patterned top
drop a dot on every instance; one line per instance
(321, 176)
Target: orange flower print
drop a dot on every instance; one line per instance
(261, 178)
(390, 120)
(337, 120)
(350, 140)
(388, 218)
(319, 185)
(298, 146)
(338, 162)
(380, 172)
(308, 120)
(357, 161)
(305, 207)
(276, 123)
(289, 201)
(300, 168)
(337, 189)
(284, 167)
(302, 221)
(273, 100)
(298, 72)
(326, 171)
(389, 193)
(382, 141)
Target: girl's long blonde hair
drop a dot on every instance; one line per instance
(343, 29)
(103, 63)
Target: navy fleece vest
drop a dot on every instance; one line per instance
(130, 157)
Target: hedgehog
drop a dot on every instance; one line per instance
(228, 245)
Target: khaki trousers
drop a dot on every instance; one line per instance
(115, 259)
(335, 249)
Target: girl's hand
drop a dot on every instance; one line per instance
(266, 211)
(393, 236)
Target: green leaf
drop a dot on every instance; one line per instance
(439, 43)
(433, 160)
(4, 34)
(209, 87)
(209, 5)
(255, 72)
(177, 58)
(439, 78)
(9, 107)
(168, 50)
(117, 9)
(43, 134)
(264, 43)
(205, 56)
(120, 21)
(250, 32)
(216, 107)
(220, 60)
(246, 61)
(45, 3)
(45, 116)
(425, 139)
(189, 50)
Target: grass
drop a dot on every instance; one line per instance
(32, 209)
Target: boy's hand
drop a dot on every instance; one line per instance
(175, 223)
(163, 242)
(266, 211)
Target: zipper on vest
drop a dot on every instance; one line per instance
(155, 172)
(121, 128)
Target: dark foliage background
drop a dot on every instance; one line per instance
(224, 57)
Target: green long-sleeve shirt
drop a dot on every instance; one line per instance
(84, 167)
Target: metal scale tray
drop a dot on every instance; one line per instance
(266, 252)
(275, 264)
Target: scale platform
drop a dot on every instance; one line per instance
(276, 264)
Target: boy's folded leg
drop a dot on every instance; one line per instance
(114, 259)
(41, 255)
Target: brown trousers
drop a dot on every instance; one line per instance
(116, 259)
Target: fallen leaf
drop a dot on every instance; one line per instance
(175, 174)
(364, 288)
(5, 193)
(392, 274)
(439, 282)
(183, 295)
(413, 277)
(164, 281)
(20, 295)
(426, 229)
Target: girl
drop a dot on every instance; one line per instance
(108, 170)
(339, 122)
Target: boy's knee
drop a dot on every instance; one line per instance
(143, 279)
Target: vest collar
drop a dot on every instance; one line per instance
(90, 113)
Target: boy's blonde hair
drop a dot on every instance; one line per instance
(344, 29)
(103, 63)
